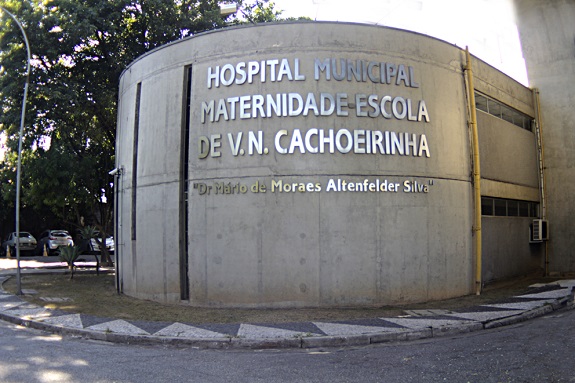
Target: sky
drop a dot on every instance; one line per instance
(487, 27)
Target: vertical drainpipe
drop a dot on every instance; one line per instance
(541, 154)
(476, 173)
(117, 245)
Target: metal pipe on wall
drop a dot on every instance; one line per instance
(476, 173)
(541, 154)
(117, 179)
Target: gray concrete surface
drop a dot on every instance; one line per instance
(185, 239)
(546, 30)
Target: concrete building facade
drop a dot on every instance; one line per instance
(320, 164)
(547, 35)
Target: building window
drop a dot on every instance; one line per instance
(487, 206)
(502, 111)
(500, 207)
(524, 209)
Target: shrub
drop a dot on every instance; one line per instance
(70, 254)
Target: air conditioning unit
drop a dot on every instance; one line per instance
(539, 230)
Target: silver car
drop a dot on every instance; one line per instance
(27, 243)
(51, 240)
(95, 247)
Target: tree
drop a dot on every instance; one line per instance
(80, 49)
(256, 12)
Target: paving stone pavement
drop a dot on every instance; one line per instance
(415, 324)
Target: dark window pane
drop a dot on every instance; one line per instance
(512, 208)
(494, 108)
(500, 207)
(524, 209)
(481, 102)
(534, 210)
(486, 206)
(507, 115)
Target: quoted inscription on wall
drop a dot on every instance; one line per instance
(332, 185)
(313, 140)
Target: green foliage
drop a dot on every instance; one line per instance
(88, 232)
(258, 11)
(80, 49)
(70, 254)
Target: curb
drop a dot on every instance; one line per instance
(285, 343)
(301, 341)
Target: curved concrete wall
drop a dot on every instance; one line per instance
(306, 184)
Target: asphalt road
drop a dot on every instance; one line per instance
(540, 350)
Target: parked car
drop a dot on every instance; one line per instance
(27, 243)
(51, 240)
(109, 245)
(91, 246)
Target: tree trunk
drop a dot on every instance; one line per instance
(105, 255)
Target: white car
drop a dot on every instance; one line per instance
(109, 245)
(27, 243)
(50, 240)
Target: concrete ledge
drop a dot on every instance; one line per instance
(335, 341)
(388, 337)
(454, 330)
(420, 334)
(265, 343)
(520, 317)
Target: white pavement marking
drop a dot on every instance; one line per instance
(55, 299)
(483, 316)
(520, 305)
(119, 326)
(420, 323)
(547, 294)
(181, 330)
(250, 331)
(9, 305)
(428, 312)
(335, 329)
(30, 312)
(72, 320)
(566, 283)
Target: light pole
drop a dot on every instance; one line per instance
(18, 169)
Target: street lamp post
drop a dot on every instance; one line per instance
(18, 169)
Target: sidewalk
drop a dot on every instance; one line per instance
(414, 324)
